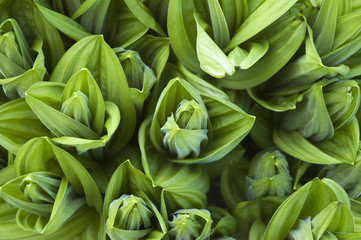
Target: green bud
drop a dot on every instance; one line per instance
(77, 107)
(132, 213)
(191, 115)
(34, 193)
(188, 224)
(140, 77)
(342, 101)
(268, 175)
(40, 188)
(20, 68)
(184, 227)
(133, 68)
(326, 106)
(12, 51)
(185, 133)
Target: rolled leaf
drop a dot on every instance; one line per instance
(220, 141)
(78, 103)
(341, 148)
(19, 70)
(113, 84)
(329, 212)
(128, 209)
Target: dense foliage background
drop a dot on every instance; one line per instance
(180, 119)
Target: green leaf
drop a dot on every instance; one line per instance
(18, 124)
(74, 229)
(246, 59)
(112, 118)
(30, 18)
(20, 71)
(140, 11)
(65, 24)
(228, 123)
(154, 52)
(324, 26)
(93, 18)
(346, 29)
(183, 186)
(234, 12)
(57, 122)
(342, 148)
(213, 61)
(83, 8)
(121, 27)
(268, 175)
(282, 46)
(347, 176)
(232, 187)
(17, 85)
(268, 12)
(308, 201)
(188, 223)
(84, 82)
(139, 76)
(219, 24)
(262, 130)
(248, 213)
(283, 90)
(182, 31)
(342, 53)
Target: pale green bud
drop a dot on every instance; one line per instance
(40, 188)
(268, 175)
(184, 227)
(325, 107)
(132, 213)
(185, 133)
(133, 68)
(342, 101)
(191, 115)
(77, 107)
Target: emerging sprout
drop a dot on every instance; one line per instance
(325, 107)
(132, 214)
(185, 133)
(185, 227)
(77, 107)
(40, 188)
(21, 69)
(188, 224)
(40, 199)
(268, 175)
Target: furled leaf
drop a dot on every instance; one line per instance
(19, 71)
(306, 202)
(341, 148)
(40, 154)
(94, 54)
(123, 220)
